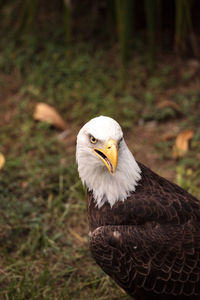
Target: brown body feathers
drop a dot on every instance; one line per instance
(150, 243)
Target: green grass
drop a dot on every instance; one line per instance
(44, 250)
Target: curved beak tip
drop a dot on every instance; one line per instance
(109, 155)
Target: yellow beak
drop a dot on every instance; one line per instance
(109, 155)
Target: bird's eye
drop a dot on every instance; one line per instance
(93, 140)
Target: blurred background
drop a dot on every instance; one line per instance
(63, 62)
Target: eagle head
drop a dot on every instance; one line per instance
(105, 163)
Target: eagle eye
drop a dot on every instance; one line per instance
(93, 140)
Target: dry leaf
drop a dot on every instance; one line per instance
(46, 113)
(2, 161)
(182, 143)
(169, 103)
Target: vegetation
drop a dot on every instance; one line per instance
(155, 21)
(44, 250)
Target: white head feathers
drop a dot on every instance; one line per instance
(93, 172)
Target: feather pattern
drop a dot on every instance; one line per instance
(150, 243)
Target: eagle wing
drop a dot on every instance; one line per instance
(157, 258)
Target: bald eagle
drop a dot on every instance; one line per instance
(144, 230)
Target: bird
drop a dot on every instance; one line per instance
(144, 229)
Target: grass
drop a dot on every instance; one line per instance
(44, 250)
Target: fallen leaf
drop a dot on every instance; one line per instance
(46, 113)
(181, 145)
(169, 103)
(2, 161)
